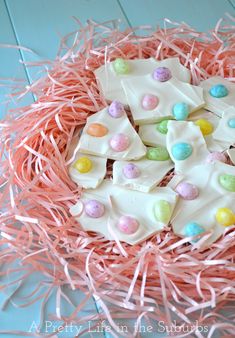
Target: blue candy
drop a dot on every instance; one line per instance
(218, 91)
(180, 111)
(193, 229)
(231, 123)
(181, 151)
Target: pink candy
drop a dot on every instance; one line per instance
(149, 101)
(216, 156)
(119, 142)
(187, 191)
(128, 225)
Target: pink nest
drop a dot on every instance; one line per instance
(162, 279)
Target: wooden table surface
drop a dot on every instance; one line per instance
(39, 25)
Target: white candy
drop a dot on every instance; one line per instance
(169, 93)
(92, 178)
(151, 173)
(218, 105)
(184, 138)
(224, 132)
(212, 196)
(120, 202)
(110, 82)
(100, 146)
(231, 154)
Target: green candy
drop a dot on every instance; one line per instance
(121, 66)
(227, 182)
(162, 127)
(157, 154)
(162, 211)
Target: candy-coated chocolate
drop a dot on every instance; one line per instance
(180, 111)
(227, 182)
(162, 74)
(225, 217)
(116, 109)
(218, 91)
(94, 209)
(162, 211)
(205, 126)
(83, 165)
(216, 156)
(119, 142)
(187, 191)
(231, 123)
(181, 151)
(128, 225)
(157, 154)
(193, 229)
(121, 66)
(97, 130)
(149, 101)
(162, 127)
(130, 170)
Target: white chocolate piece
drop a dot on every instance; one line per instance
(223, 131)
(151, 173)
(99, 146)
(218, 105)
(118, 202)
(169, 93)
(212, 196)
(150, 136)
(231, 154)
(94, 177)
(110, 82)
(186, 132)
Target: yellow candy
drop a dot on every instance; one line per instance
(83, 165)
(205, 126)
(225, 217)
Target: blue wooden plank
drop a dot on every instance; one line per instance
(201, 14)
(45, 21)
(10, 68)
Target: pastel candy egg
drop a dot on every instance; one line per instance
(162, 127)
(119, 142)
(149, 102)
(130, 170)
(162, 74)
(218, 91)
(128, 225)
(181, 151)
(121, 66)
(187, 191)
(180, 111)
(97, 130)
(216, 156)
(192, 229)
(94, 209)
(116, 109)
(227, 182)
(157, 154)
(225, 217)
(162, 211)
(83, 165)
(205, 126)
(231, 123)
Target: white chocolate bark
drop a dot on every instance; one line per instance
(119, 201)
(110, 83)
(151, 136)
(223, 132)
(92, 178)
(212, 196)
(218, 105)
(231, 154)
(169, 93)
(151, 173)
(186, 132)
(99, 146)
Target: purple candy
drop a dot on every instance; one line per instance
(94, 209)
(187, 191)
(131, 171)
(116, 109)
(162, 74)
(216, 156)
